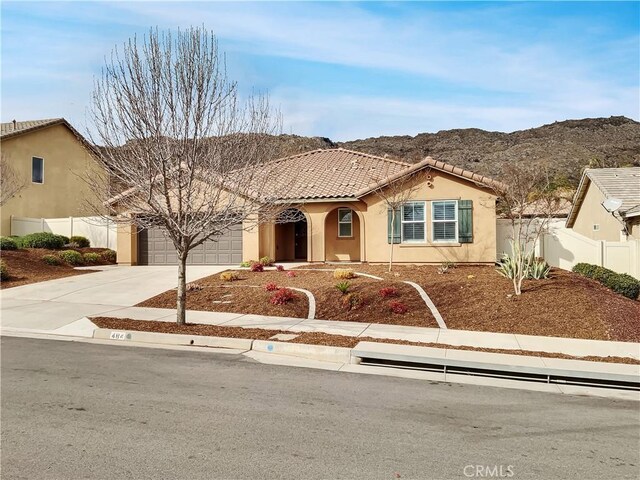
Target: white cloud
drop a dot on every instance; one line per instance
(517, 81)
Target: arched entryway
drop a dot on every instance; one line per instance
(342, 235)
(291, 236)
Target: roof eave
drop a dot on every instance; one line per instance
(578, 198)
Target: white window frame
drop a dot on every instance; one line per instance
(350, 223)
(402, 222)
(434, 221)
(32, 159)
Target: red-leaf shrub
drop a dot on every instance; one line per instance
(256, 267)
(279, 268)
(388, 292)
(271, 287)
(282, 296)
(291, 274)
(398, 307)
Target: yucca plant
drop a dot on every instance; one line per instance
(538, 269)
(343, 287)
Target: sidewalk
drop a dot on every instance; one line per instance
(568, 346)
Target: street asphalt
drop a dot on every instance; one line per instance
(79, 410)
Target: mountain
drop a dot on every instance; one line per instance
(569, 146)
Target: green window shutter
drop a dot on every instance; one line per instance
(396, 226)
(465, 221)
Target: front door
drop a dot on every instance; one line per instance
(300, 235)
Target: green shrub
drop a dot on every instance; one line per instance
(266, 261)
(91, 257)
(618, 282)
(72, 257)
(82, 242)
(8, 243)
(43, 240)
(343, 286)
(585, 269)
(51, 260)
(4, 273)
(109, 255)
(247, 263)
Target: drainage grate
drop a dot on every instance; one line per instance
(519, 373)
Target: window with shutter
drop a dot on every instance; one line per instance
(465, 221)
(413, 222)
(444, 221)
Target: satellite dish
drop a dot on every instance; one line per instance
(612, 204)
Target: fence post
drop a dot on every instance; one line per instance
(70, 226)
(602, 253)
(41, 224)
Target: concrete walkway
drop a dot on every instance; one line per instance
(60, 307)
(58, 303)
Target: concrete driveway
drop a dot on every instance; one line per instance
(56, 303)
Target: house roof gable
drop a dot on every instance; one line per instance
(622, 183)
(339, 173)
(14, 129)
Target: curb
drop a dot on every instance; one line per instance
(172, 339)
(315, 352)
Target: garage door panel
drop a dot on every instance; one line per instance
(155, 249)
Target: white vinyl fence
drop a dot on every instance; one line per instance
(101, 232)
(562, 247)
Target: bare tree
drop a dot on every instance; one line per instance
(180, 150)
(395, 193)
(10, 181)
(527, 199)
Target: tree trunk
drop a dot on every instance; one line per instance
(181, 304)
(393, 220)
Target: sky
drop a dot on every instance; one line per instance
(351, 70)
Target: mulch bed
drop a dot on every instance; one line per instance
(26, 266)
(565, 305)
(246, 299)
(311, 338)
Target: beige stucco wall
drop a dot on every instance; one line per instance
(127, 242)
(445, 187)
(340, 248)
(63, 193)
(370, 229)
(593, 213)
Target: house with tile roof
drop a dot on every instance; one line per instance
(589, 215)
(450, 215)
(49, 157)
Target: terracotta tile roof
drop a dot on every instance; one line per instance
(14, 129)
(339, 173)
(10, 129)
(621, 183)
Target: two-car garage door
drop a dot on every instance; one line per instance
(155, 249)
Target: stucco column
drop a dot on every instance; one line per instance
(127, 244)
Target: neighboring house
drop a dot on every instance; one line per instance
(49, 156)
(590, 218)
(450, 216)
